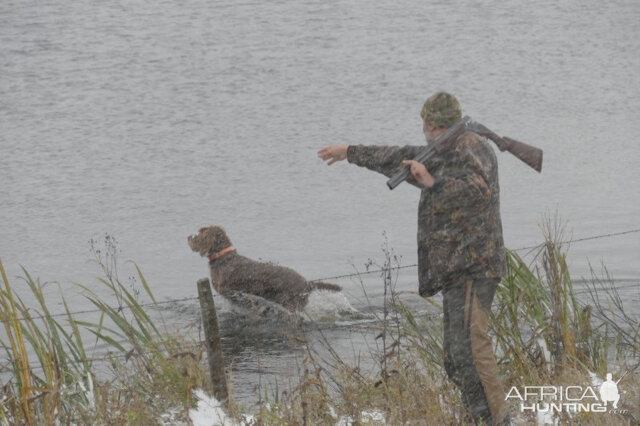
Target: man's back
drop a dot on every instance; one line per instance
(459, 224)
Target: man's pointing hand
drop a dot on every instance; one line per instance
(333, 153)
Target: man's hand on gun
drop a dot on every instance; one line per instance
(333, 153)
(420, 173)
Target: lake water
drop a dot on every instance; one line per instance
(145, 120)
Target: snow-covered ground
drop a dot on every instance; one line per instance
(209, 412)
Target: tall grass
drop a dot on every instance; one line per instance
(53, 376)
(48, 360)
(543, 335)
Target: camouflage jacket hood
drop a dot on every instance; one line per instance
(459, 225)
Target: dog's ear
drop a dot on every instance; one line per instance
(209, 240)
(218, 238)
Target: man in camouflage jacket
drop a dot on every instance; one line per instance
(460, 244)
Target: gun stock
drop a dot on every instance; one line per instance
(528, 154)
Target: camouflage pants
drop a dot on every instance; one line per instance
(468, 352)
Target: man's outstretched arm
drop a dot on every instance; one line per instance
(381, 159)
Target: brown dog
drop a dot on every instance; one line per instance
(231, 272)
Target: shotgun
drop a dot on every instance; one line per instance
(530, 155)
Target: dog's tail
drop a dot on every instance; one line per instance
(326, 286)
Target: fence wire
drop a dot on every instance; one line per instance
(530, 248)
(631, 283)
(636, 282)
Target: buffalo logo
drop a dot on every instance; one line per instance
(609, 391)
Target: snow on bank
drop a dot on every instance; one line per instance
(209, 412)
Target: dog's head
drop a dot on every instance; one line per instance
(209, 240)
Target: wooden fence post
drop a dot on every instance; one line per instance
(212, 337)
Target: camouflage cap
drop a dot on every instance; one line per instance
(441, 110)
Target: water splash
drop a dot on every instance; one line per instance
(329, 306)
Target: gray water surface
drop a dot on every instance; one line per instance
(145, 120)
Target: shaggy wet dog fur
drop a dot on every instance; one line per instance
(232, 272)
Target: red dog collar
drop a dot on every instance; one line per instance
(221, 253)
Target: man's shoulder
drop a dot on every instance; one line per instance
(475, 145)
(471, 140)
